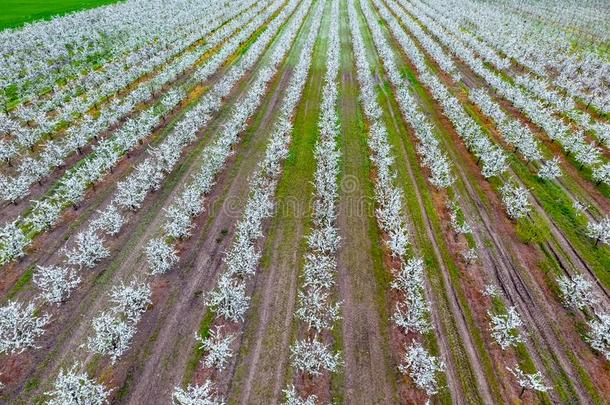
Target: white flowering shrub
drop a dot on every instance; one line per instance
(55, 283)
(229, 298)
(197, 395)
(109, 221)
(457, 220)
(112, 335)
(291, 397)
(515, 200)
(550, 169)
(422, 367)
(599, 231)
(470, 255)
(89, 249)
(161, 256)
(44, 214)
(491, 290)
(505, 328)
(577, 292)
(13, 242)
(599, 335)
(316, 310)
(312, 357)
(217, 347)
(20, 327)
(527, 381)
(131, 299)
(75, 388)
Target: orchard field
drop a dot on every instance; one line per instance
(305, 202)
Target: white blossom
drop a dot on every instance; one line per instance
(161, 256)
(505, 328)
(599, 335)
(44, 214)
(20, 327)
(13, 242)
(88, 251)
(197, 395)
(491, 290)
(422, 367)
(291, 397)
(470, 255)
(217, 347)
(109, 221)
(515, 200)
(55, 283)
(112, 336)
(527, 381)
(229, 298)
(131, 299)
(312, 357)
(74, 388)
(600, 231)
(550, 169)
(577, 292)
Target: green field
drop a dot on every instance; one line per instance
(17, 12)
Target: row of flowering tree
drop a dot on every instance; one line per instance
(545, 50)
(572, 140)
(114, 328)
(188, 204)
(229, 300)
(49, 63)
(311, 354)
(536, 86)
(412, 277)
(105, 101)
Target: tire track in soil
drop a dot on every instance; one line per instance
(370, 375)
(86, 302)
(262, 362)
